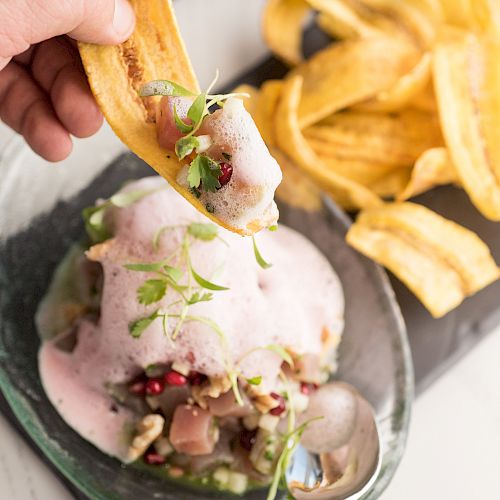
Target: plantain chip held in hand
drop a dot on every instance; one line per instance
(147, 90)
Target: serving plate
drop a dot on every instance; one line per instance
(36, 232)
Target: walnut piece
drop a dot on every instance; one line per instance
(149, 428)
(263, 402)
(213, 388)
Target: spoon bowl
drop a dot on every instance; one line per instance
(349, 468)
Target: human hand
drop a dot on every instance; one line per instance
(44, 94)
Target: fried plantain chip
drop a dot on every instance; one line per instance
(426, 100)
(362, 172)
(249, 102)
(390, 231)
(265, 109)
(437, 286)
(296, 188)
(389, 185)
(387, 139)
(282, 26)
(406, 89)
(290, 139)
(482, 16)
(433, 168)
(467, 79)
(349, 72)
(384, 180)
(348, 19)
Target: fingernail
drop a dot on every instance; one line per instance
(124, 18)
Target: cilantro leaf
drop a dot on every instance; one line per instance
(181, 125)
(203, 231)
(137, 328)
(196, 297)
(273, 228)
(258, 257)
(206, 172)
(146, 267)
(205, 283)
(185, 146)
(151, 291)
(164, 87)
(255, 380)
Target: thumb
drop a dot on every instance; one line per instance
(25, 22)
(114, 27)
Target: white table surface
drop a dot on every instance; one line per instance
(455, 429)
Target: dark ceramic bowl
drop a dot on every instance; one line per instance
(40, 206)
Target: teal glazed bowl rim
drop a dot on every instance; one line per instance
(393, 416)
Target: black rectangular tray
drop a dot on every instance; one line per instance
(435, 344)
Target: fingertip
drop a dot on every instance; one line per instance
(123, 20)
(45, 135)
(74, 104)
(110, 28)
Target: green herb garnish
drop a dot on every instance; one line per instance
(205, 283)
(290, 440)
(185, 146)
(203, 231)
(258, 257)
(204, 172)
(151, 291)
(255, 380)
(137, 328)
(168, 276)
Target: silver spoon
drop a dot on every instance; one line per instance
(339, 456)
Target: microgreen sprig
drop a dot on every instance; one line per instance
(258, 256)
(168, 276)
(290, 442)
(203, 171)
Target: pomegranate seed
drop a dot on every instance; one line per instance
(152, 458)
(175, 378)
(281, 405)
(138, 388)
(154, 386)
(196, 378)
(306, 388)
(247, 439)
(226, 173)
